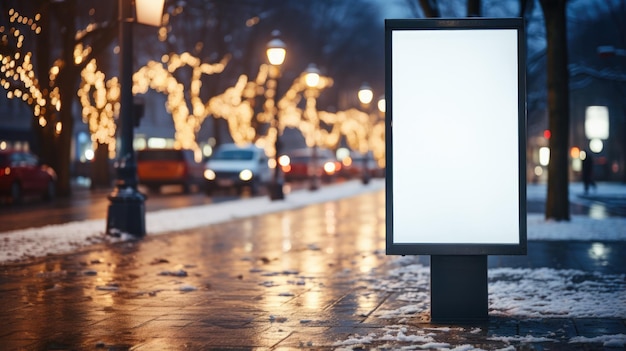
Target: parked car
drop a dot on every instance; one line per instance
(355, 164)
(21, 174)
(158, 167)
(302, 165)
(237, 167)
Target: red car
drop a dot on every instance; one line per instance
(22, 174)
(303, 166)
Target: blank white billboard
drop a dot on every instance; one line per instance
(454, 139)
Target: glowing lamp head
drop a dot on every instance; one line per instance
(276, 52)
(149, 12)
(312, 76)
(365, 94)
(382, 105)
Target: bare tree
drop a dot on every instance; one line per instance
(59, 52)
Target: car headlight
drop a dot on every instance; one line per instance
(209, 174)
(245, 175)
(330, 168)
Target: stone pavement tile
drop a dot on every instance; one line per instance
(18, 340)
(228, 336)
(306, 338)
(162, 344)
(561, 330)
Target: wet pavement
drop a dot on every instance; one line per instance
(298, 279)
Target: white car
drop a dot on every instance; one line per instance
(237, 167)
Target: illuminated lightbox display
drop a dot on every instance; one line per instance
(456, 129)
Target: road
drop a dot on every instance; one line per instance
(86, 204)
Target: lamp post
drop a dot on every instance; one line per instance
(312, 80)
(276, 51)
(126, 212)
(365, 96)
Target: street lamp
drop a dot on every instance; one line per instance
(126, 212)
(312, 80)
(276, 52)
(365, 96)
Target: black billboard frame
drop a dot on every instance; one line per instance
(463, 249)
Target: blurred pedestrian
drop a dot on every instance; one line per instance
(588, 172)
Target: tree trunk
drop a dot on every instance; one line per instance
(67, 82)
(557, 205)
(430, 8)
(64, 147)
(100, 172)
(473, 8)
(43, 132)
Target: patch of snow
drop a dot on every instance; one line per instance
(617, 340)
(521, 339)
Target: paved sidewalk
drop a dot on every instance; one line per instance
(314, 278)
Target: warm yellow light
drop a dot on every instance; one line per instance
(209, 174)
(276, 52)
(330, 168)
(544, 156)
(577, 165)
(284, 160)
(575, 152)
(245, 175)
(312, 76)
(347, 161)
(365, 94)
(150, 12)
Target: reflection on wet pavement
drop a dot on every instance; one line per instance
(254, 281)
(302, 278)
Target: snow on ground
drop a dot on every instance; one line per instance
(68, 237)
(516, 292)
(65, 238)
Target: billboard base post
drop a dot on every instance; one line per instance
(458, 287)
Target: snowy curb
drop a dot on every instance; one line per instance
(68, 237)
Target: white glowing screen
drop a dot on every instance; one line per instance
(455, 136)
